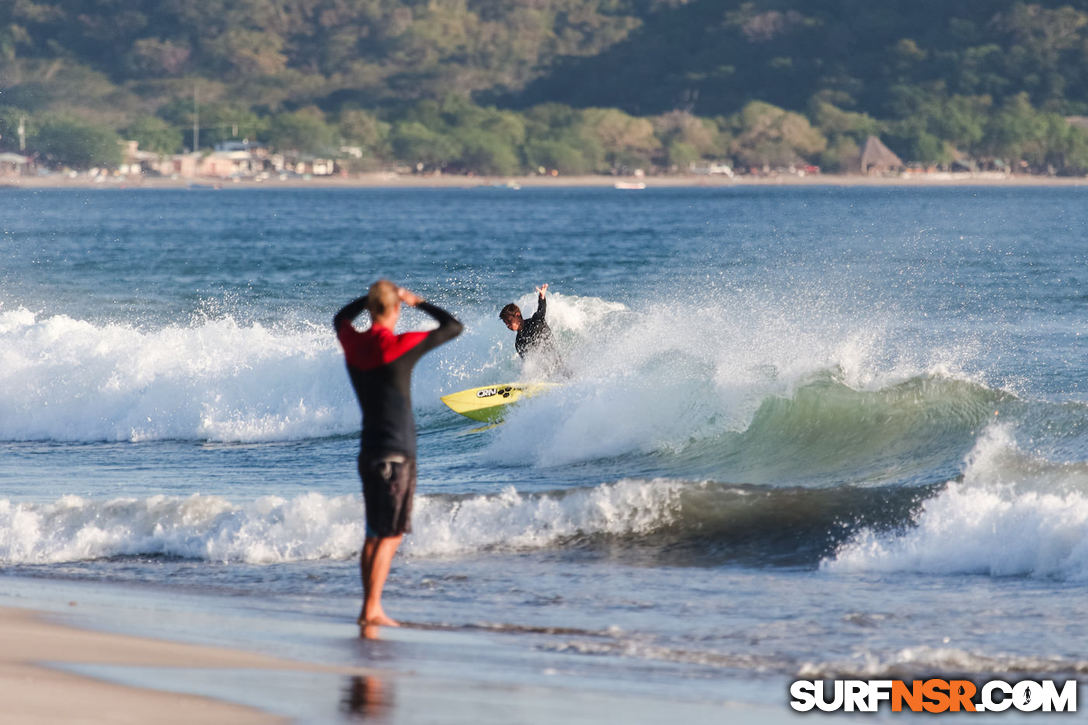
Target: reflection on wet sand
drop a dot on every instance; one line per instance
(367, 697)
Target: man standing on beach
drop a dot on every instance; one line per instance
(534, 339)
(380, 364)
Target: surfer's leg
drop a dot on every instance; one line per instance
(380, 563)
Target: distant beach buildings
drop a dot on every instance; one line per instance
(245, 160)
(13, 164)
(228, 160)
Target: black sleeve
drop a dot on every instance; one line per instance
(541, 308)
(349, 312)
(448, 325)
(448, 328)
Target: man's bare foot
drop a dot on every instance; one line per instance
(378, 619)
(381, 620)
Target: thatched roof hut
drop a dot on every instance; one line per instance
(876, 158)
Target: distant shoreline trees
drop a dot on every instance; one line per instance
(459, 137)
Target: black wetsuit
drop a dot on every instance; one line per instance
(380, 365)
(535, 337)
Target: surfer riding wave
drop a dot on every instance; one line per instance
(534, 342)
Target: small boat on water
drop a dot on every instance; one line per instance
(629, 185)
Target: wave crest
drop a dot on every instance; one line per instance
(70, 380)
(1012, 514)
(662, 520)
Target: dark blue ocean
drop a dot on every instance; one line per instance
(811, 432)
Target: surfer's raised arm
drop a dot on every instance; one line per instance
(541, 302)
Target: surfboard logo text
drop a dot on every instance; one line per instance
(489, 392)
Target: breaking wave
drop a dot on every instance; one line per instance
(70, 380)
(662, 520)
(797, 411)
(1013, 513)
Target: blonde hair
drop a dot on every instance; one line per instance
(382, 298)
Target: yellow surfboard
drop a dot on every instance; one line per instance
(490, 402)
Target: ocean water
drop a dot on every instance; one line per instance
(811, 432)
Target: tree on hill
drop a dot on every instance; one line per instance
(303, 131)
(154, 134)
(365, 130)
(556, 140)
(686, 138)
(416, 144)
(76, 144)
(768, 136)
(628, 142)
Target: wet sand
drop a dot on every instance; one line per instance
(35, 689)
(279, 667)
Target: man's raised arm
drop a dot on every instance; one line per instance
(449, 326)
(349, 312)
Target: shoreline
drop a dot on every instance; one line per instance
(38, 686)
(389, 180)
(94, 652)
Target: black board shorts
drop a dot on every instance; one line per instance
(389, 484)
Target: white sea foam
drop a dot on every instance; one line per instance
(215, 379)
(312, 526)
(210, 528)
(1013, 514)
(644, 380)
(914, 661)
(485, 351)
(68, 379)
(658, 379)
(511, 520)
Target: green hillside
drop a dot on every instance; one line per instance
(505, 86)
(879, 57)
